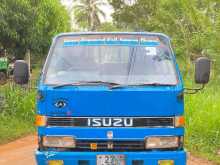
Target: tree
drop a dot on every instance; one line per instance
(108, 27)
(30, 25)
(88, 13)
(52, 19)
(192, 25)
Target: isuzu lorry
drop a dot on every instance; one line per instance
(111, 99)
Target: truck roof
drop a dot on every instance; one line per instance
(160, 36)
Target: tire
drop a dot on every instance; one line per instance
(3, 78)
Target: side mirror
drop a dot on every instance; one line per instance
(21, 72)
(202, 70)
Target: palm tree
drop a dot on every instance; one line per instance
(87, 13)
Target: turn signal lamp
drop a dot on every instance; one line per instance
(165, 162)
(55, 162)
(179, 121)
(93, 146)
(40, 120)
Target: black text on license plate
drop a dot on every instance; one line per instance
(110, 160)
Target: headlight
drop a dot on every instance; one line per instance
(163, 142)
(59, 141)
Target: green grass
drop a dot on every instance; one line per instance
(202, 112)
(17, 109)
(12, 128)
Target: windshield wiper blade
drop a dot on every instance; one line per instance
(68, 84)
(141, 84)
(99, 82)
(81, 83)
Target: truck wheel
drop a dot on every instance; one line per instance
(3, 78)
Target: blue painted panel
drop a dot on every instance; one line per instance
(101, 101)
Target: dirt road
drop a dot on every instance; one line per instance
(21, 152)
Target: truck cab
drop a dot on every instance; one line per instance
(111, 99)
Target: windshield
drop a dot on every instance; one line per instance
(125, 64)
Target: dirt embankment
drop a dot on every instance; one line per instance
(21, 152)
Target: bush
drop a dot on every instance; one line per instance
(17, 112)
(203, 122)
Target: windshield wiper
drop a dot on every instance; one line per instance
(140, 84)
(84, 83)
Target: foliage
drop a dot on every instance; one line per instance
(202, 111)
(30, 24)
(88, 13)
(17, 107)
(193, 25)
(108, 27)
(202, 123)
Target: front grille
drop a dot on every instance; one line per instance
(108, 146)
(104, 145)
(110, 122)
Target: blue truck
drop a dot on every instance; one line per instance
(111, 99)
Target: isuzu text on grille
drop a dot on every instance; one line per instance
(110, 122)
(111, 99)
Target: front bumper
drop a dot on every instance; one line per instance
(73, 158)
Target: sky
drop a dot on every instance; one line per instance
(107, 9)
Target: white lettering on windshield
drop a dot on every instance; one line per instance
(151, 51)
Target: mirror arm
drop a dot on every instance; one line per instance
(193, 90)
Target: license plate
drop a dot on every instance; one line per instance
(110, 160)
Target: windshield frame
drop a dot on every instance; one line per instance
(165, 38)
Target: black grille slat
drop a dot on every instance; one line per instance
(137, 122)
(137, 162)
(83, 162)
